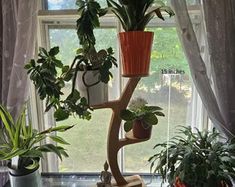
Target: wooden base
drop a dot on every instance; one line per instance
(133, 181)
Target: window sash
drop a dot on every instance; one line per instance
(49, 19)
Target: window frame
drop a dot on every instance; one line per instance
(48, 19)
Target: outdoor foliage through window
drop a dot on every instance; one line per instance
(169, 75)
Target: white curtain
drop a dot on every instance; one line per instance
(216, 89)
(17, 39)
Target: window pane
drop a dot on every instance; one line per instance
(88, 138)
(66, 4)
(169, 74)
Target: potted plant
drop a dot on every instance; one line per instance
(196, 159)
(94, 67)
(90, 70)
(140, 118)
(24, 147)
(135, 44)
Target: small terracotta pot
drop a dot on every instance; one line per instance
(135, 52)
(139, 131)
(178, 183)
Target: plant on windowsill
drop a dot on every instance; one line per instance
(24, 147)
(134, 42)
(90, 70)
(196, 159)
(140, 118)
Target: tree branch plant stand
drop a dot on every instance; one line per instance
(114, 142)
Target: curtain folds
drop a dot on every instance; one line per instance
(220, 26)
(17, 40)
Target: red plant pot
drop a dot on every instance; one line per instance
(135, 52)
(178, 183)
(140, 132)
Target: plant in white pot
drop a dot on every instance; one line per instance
(135, 43)
(94, 66)
(90, 69)
(140, 118)
(24, 146)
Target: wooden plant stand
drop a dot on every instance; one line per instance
(114, 142)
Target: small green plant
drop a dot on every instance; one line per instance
(19, 139)
(138, 110)
(196, 159)
(134, 15)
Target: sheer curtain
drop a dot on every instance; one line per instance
(17, 39)
(219, 21)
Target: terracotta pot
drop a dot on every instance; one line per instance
(178, 183)
(141, 132)
(135, 52)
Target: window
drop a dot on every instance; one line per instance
(168, 86)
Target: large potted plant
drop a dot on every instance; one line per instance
(24, 146)
(196, 159)
(135, 43)
(140, 118)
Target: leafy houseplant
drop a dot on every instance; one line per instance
(94, 66)
(140, 118)
(134, 42)
(50, 75)
(24, 146)
(196, 159)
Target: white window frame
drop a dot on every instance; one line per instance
(67, 18)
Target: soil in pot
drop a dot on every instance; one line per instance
(135, 53)
(141, 131)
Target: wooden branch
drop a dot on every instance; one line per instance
(110, 104)
(114, 144)
(130, 139)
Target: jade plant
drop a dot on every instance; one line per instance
(25, 145)
(139, 111)
(196, 159)
(134, 15)
(50, 75)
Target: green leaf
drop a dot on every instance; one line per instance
(43, 52)
(59, 140)
(128, 126)
(65, 69)
(34, 165)
(13, 153)
(50, 148)
(61, 128)
(150, 119)
(159, 113)
(61, 114)
(7, 122)
(127, 115)
(54, 51)
(152, 108)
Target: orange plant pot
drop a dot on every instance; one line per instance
(135, 53)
